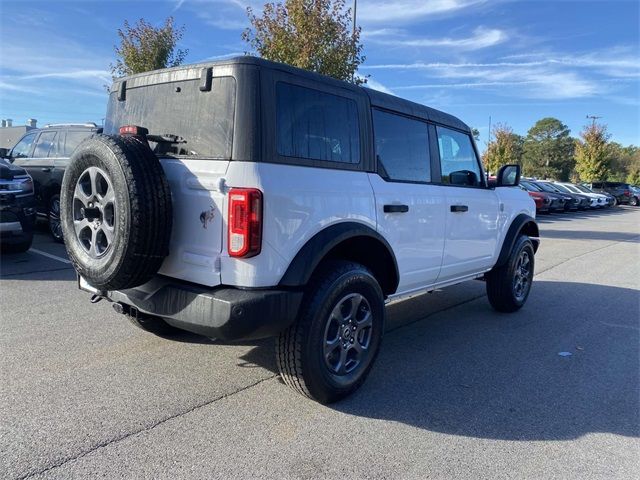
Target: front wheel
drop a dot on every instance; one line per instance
(508, 286)
(328, 353)
(55, 227)
(633, 201)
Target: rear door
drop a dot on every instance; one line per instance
(472, 209)
(195, 165)
(409, 209)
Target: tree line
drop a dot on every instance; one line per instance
(320, 35)
(549, 151)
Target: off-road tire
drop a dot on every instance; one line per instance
(142, 218)
(500, 281)
(299, 349)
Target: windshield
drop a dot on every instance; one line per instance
(563, 188)
(571, 188)
(584, 189)
(202, 120)
(531, 187)
(547, 187)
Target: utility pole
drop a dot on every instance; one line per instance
(355, 8)
(593, 119)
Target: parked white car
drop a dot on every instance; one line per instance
(597, 199)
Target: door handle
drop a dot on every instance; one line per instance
(46, 169)
(396, 208)
(459, 208)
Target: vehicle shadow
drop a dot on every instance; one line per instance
(591, 235)
(473, 372)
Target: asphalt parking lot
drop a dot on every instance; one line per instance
(459, 391)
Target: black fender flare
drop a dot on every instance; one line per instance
(317, 247)
(523, 223)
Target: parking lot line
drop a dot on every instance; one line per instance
(48, 255)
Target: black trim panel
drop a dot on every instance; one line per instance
(309, 256)
(512, 234)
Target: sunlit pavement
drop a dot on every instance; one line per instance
(458, 390)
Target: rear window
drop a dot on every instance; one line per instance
(203, 120)
(316, 125)
(73, 139)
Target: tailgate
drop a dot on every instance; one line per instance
(198, 202)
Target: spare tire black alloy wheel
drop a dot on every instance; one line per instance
(94, 211)
(115, 211)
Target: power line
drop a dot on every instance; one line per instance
(593, 118)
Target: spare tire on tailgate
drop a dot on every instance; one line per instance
(115, 212)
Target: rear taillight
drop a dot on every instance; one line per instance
(627, 193)
(133, 130)
(244, 222)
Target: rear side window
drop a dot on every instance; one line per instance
(73, 140)
(402, 147)
(316, 125)
(23, 147)
(44, 144)
(457, 156)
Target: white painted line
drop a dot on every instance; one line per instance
(48, 255)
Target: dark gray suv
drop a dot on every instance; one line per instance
(44, 153)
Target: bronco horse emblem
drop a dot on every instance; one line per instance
(207, 216)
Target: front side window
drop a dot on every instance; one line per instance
(402, 147)
(316, 125)
(44, 144)
(458, 160)
(23, 147)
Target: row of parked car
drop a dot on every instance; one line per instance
(552, 196)
(44, 154)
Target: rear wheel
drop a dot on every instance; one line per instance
(508, 286)
(329, 351)
(18, 247)
(633, 201)
(55, 227)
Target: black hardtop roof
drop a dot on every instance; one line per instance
(378, 99)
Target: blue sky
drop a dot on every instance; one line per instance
(516, 61)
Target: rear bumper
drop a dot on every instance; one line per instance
(227, 313)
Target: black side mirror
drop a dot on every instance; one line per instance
(463, 177)
(508, 176)
(4, 152)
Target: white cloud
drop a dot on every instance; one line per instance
(384, 11)
(481, 38)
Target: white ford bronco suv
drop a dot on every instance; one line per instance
(243, 199)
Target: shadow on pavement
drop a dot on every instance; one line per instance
(591, 235)
(473, 372)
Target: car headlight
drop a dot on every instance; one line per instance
(18, 185)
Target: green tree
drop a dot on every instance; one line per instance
(548, 150)
(623, 162)
(592, 153)
(144, 47)
(504, 148)
(312, 34)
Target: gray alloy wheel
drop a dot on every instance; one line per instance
(55, 227)
(94, 211)
(347, 334)
(522, 276)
